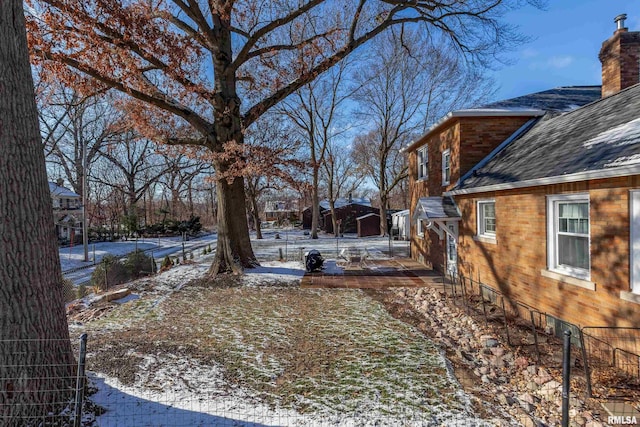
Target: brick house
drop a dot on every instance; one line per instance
(539, 196)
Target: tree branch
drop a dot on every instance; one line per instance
(159, 100)
(254, 38)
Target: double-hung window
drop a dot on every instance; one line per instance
(486, 212)
(423, 163)
(446, 167)
(568, 235)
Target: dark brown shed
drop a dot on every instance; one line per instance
(368, 225)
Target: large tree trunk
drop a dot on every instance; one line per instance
(36, 363)
(234, 251)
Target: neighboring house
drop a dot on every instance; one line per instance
(67, 212)
(541, 200)
(400, 224)
(339, 204)
(280, 210)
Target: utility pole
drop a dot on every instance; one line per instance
(85, 232)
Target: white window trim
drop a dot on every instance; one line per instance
(425, 153)
(482, 234)
(552, 242)
(446, 153)
(419, 228)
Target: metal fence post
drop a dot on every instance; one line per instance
(506, 324)
(80, 380)
(585, 363)
(566, 377)
(535, 335)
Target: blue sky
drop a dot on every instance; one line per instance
(567, 37)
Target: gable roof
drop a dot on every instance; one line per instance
(367, 216)
(339, 203)
(560, 99)
(598, 140)
(60, 191)
(435, 208)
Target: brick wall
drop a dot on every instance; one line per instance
(620, 57)
(469, 139)
(514, 263)
(480, 135)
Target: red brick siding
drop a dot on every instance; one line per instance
(447, 137)
(469, 139)
(514, 264)
(479, 136)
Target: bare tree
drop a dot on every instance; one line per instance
(75, 126)
(274, 150)
(315, 111)
(340, 174)
(181, 168)
(36, 363)
(130, 166)
(194, 63)
(407, 83)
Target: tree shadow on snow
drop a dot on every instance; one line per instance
(124, 410)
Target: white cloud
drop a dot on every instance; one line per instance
(555, 62)
(529, 53)
(560, 61)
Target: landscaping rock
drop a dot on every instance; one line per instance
(529, 392)
(526, 421)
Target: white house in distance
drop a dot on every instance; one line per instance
(67, 211)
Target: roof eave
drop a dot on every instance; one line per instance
(470, 113)
(558, 179)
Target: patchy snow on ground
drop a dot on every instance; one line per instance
(72, 257)
(285, 272)
(184, 392)
(194, 400)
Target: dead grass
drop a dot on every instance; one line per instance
(310, 350)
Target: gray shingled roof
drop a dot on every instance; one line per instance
(436, 207)
(341, 202)
(599, 136)
(60, 191)
(558, 99)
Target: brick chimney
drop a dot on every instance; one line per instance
(620, 57)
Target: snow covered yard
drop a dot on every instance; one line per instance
(258, 350)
